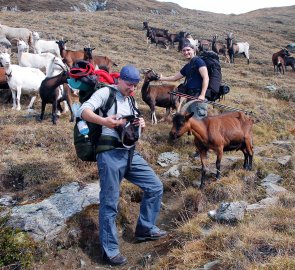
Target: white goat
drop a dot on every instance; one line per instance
(41, 46)
(26, 59)
(21, 79)
(237, 48)
(16, 33)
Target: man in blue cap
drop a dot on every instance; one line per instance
(118, 162)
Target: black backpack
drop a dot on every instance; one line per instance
(86, 146)
(215, 89)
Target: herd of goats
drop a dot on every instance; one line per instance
(55, 60)
(229, 49)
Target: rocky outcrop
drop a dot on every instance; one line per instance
(44, 220)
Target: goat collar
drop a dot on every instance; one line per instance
(8, 75)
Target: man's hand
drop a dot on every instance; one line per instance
(112, 121)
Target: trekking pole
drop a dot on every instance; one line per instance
(176, 93)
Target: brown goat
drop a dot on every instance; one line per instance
(158, 95)
(278, 60)
(4, 84)
(3, 79)
(69, 57)
(225, 132)
(220, 48)
(98, 60)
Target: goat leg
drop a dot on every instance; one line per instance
(250, 162)
(203, 156)
(54, 115)
(69, 102)
(18, 94)
(249, 151)
(31, 103)
(13, 99)
(43, 105)
(218, 162)
(246, 159)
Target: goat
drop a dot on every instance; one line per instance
(4, 85)
(3, 78)
(41, 46)
(278, 59)
(50, 92)
(4, 42)
(237, 48)
(11, 33)
(224, 132)
(220, 48)
(172, 38)
(153, 31)
(204, 45)
(98, 61)
(55, 67)
(20, 79)
(158, 95)
(160, 32)
(160, 40)
(290, 61)
(69, 57)
(26, 59)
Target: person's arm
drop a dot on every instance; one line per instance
(173, 78)
(110, 121)
(204, 74)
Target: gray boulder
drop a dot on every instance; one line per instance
(44, 220)
(229, 212)
(167, 158)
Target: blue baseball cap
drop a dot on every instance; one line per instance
(130, 74)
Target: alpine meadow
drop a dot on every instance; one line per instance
(39, 162)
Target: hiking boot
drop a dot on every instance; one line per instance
(151, 236)
(119, 259)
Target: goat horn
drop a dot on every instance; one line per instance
(186, 105)
(60, 66)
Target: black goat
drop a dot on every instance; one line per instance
(50, 92)
(290, 61)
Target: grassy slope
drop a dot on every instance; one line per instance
(38, 157)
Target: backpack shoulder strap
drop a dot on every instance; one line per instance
(132, 101)
(111, 100)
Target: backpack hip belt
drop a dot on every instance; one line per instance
(106, 143)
